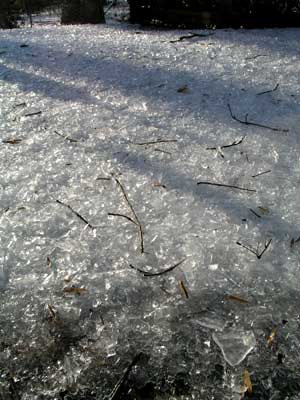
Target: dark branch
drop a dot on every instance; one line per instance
(32, 114)
(256, 252)
(254, 57)
(141, 233)
(191, 36)
(246, 122)
(228, 186)
(235, 143)
(255, 213)
(123, 216)
(261, 173)
(77, 214)
(155, 142)
(115, 394)
(146, 273)
(268, 91)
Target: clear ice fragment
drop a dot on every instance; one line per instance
(235, 345)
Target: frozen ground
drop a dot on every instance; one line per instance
(76, 104)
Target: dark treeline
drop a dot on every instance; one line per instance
(73, 11)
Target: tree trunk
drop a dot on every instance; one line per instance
(82, 12)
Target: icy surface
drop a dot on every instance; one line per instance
(77, 103)
(235, 345)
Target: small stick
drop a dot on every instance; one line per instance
(268, 91)
(33, 113)
(265, 249)
(145, 273)
(255, 213)
(66, 137)
(20, 104)
(228, 186)
(261, 173)
(246, 122)
(141, 233)
(235, 143)
(124, 216)
(119, 385)
(258, 255)
(247, 248)
(183, 289)
(254, 57)
(76, 213)
(155, 142)
(102, 178)
(163, 151)
(237, 298)
(191, 36)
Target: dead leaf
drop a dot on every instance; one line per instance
(74, 290)
(264, 210)
(183, 89)
(271, 337)
(247, 382)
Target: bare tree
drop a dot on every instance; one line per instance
(82, 12)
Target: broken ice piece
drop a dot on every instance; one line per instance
(211, 321)
(235, 345)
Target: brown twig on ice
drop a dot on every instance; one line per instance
(227, 186)
(77, 214)
(146, 273)
(139, 225)
(115, 394)
(246, 122)
(268, 91)
(256, 252)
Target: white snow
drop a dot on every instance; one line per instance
(110, 87)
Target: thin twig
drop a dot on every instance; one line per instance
(119, 385)
(141, 233)
(246, 122)
(66, 137)
(267, 244)
(155, 142)
(146, 273)
(256, 252)
(223, 185)
(163, 151)
(235, 143)
(261, 173)
(255, 213)
(33, 113)
(102, 178)
(124, 216)
(191, 36)
(77, 214)
(254, 57)
(183, 289)
(268, 91)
